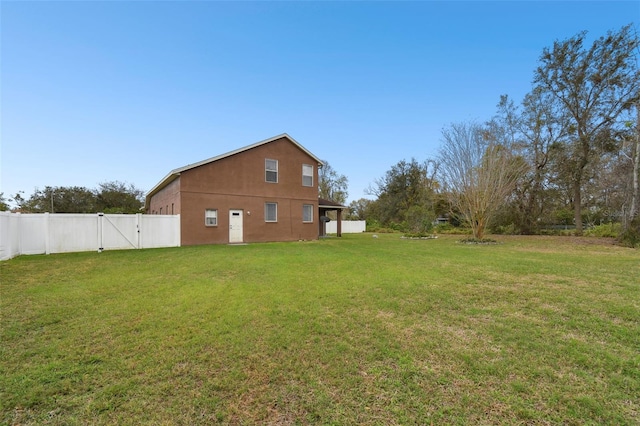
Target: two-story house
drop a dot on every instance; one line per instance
(267, 191)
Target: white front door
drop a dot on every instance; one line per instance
(235, 226)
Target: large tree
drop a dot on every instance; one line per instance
(478, 173)
(331, 185)
(630, 159)
(594, 86)
(58, 199)
(359, 209)
(111, 197)
(4, 203)
(119, 197)
(534, 129)
(406, 195)
(633, 217)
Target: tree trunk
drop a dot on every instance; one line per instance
(479, 232)
(577, 207)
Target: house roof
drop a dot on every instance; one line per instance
(175, 173)
(328, 204)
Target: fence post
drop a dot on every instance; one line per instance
(138, 222)
(47, 237)
(178, 229)
(19, 234)
(100, 232)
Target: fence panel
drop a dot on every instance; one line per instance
(72, 232)
(160, 231)
(9, 235)
(61, 233)
(348, 226)
(33, 233)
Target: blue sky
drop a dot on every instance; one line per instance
(129, 90)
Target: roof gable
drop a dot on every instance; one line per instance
(175, 173)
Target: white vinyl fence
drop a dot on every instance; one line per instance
(348, 226)
(44, 233)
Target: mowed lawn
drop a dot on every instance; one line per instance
(346, 331)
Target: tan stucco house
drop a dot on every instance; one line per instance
(267, 191)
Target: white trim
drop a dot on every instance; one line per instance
(266, 219)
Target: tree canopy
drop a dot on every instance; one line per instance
(567, 155)
(331, 185)
(406, 196)
(110, 197)
(593, 86)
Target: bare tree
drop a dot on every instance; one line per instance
(331, 185)
(477, 173)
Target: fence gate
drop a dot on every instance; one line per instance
(44, 233)
(118, 232)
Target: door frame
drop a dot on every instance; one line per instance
(231, 216)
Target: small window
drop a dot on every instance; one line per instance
(270, 212)
(160, 210)
(211, 217)
(307, 212)
(307, 175)
(271, 170)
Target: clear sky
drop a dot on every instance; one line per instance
(128, 90)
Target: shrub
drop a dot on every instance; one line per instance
(447, 228)
(611, 230)
(630, 237)
(505, 229)
(375, 226)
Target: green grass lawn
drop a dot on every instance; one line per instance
(346, 331)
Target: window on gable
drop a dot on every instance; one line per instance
(271, 170)
(211, 217)
(307, 175)
(270, 212)
(307, 212)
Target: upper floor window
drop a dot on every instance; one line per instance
(271, 170)
(307, 175)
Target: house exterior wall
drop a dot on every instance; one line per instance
(167, 200)
(238, 182)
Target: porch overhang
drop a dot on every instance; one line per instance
(325, 206)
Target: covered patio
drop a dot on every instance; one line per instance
(325, 206)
